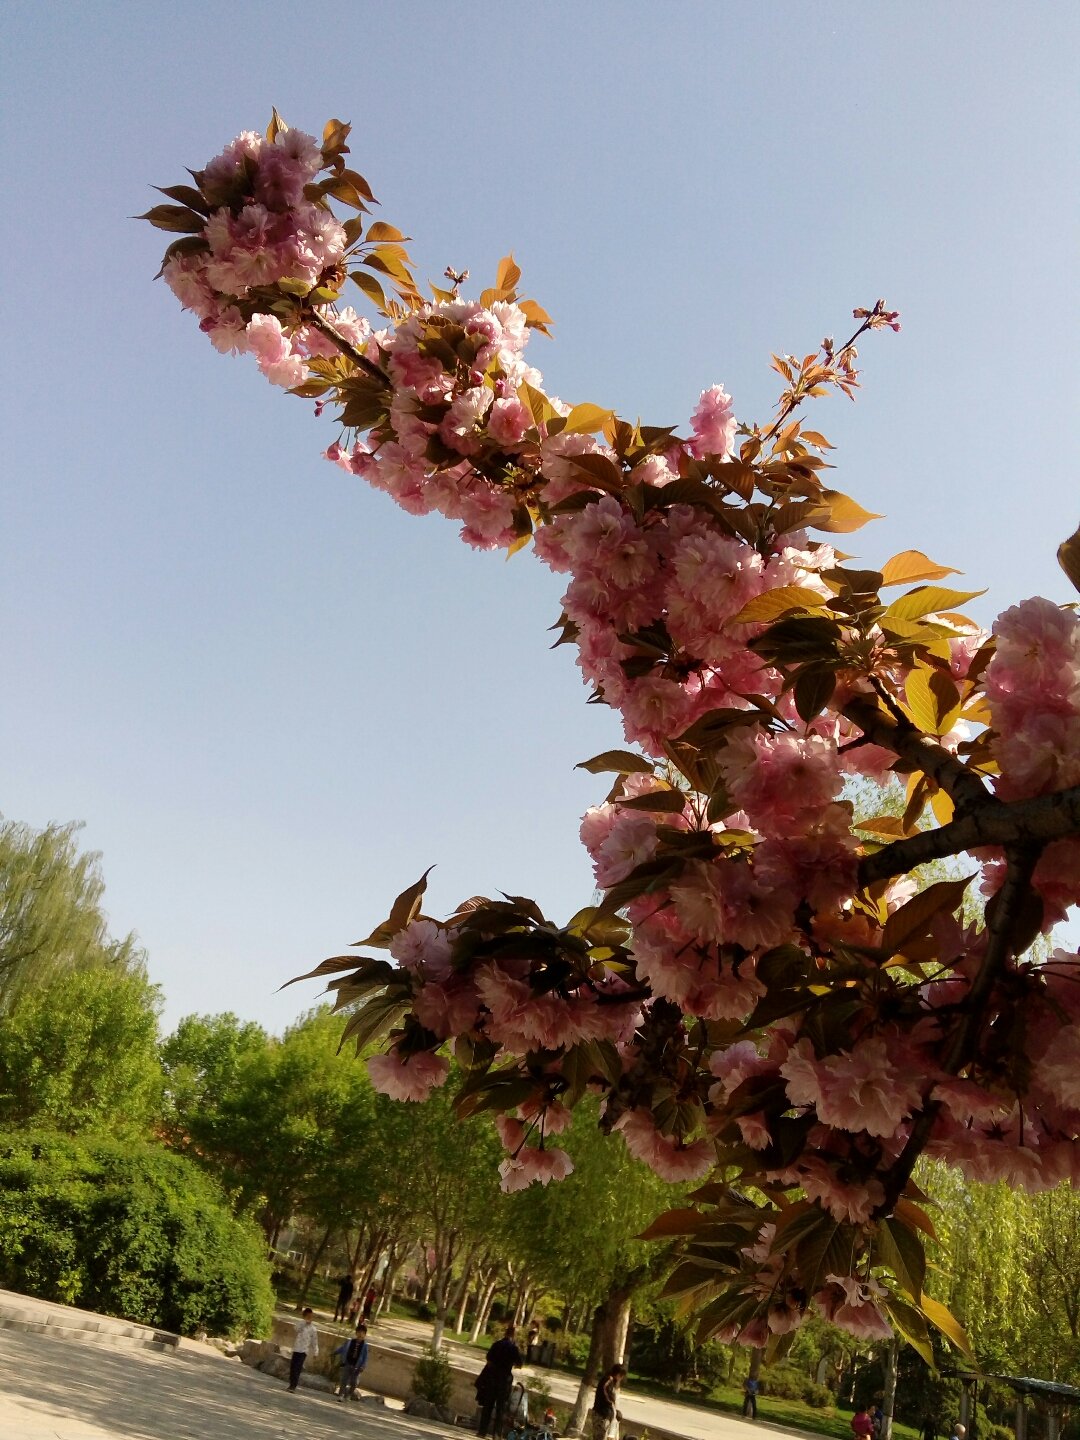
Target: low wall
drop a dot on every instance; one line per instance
(388, 1372)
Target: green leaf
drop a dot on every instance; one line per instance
(813, 691)
(587, 420)
(943, 1320)
(911, 1325)
(376, 1017)
(773, 604)
(933, 699)
(928, 600)
(900, 1249)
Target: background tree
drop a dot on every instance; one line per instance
(78, 1051)
(51, 920)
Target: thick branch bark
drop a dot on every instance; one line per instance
(1018, 822)
(964, 789)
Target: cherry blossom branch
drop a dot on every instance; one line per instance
(1037, 822)
(319, 322)
(908, 742)
(1001, 927)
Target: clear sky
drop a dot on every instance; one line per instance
(273, 698)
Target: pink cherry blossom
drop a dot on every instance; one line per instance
(409, 1077)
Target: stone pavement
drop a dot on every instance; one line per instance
(76, 1390)
(54, 1386)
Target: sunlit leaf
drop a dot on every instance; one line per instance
(912, 565)
(928, 600)
(773, 604)
(586, 419)
(841, 514)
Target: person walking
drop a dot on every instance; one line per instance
(353, 1354)
(862, 1427)
(346, 1286)
(604, 1413)
(305, 1343)
(494, 1383)
(751, 1388)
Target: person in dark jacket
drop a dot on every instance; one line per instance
(494, 1383)
(604, 1413)
(345, 1288)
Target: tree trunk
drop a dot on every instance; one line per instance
(484, 1309)
(463, 1293)
(888, 1401)
(610, 1319)
(309, 1274)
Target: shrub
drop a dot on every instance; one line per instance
(127, 1228)
(818, 1397)
(432, 1379)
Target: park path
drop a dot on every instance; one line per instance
(68, 1389)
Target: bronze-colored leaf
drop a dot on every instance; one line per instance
(912, 565)
(1068, 555)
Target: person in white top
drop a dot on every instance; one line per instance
(305, 1343)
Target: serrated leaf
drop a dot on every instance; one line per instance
(675, 1222)
(598, 470)
(933, 699)
(943, 1319)
(276, 126)
(185, 195)
(376, 1017)
(617, 762)
(913, 918)
(586, 420)
(912, 565)
(1068, 555)
(841, 514)
(539, 406)
(813, 691)
(928, 600)
(508, 273)
(380, 230)
(901, 1250)
(333, 966)
(773, 604)
(176, 218)
(672, 802)
(911, 1325)
(371, 288)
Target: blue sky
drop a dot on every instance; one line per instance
(273, 698)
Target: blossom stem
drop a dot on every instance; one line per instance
(319, 322)
(908, 742)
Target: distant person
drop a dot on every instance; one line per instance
(862, 1427)
(751, 1389)
(494, 1383)
(346, 1286)
(929, 1430)
(532, 1344)
(369, 1303)
(353, 1354)
(877, 1419)
(604, 1413)
(305, 1343)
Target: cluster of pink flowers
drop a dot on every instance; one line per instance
(260, 232)
(758, 878)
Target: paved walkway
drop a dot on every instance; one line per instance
(54, 1388)
(76, 1390)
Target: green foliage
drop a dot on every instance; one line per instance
(124, 1227)
(51, 921)
(79, 1050)
(433, 1379)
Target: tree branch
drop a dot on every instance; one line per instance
(901, 737)
(1021, 862)
(1019, 822)
(319, 322)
